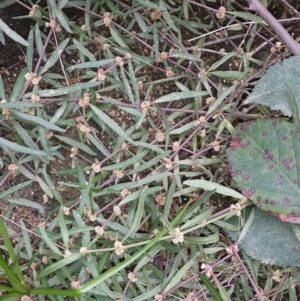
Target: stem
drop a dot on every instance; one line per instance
(275, 25)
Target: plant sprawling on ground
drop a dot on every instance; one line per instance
(112, 150)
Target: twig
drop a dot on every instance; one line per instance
(275, 25)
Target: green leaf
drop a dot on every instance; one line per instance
(77, 144)
(22, 149)
(180, 95)
(34, 119)
(19, 85)
(29, 50)
(264, 158)
(55, 56)
(112, 124)
(207, 185)
(12, 34)
(271, 89)
(276, 244)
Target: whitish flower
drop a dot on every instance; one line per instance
(145, 106)
(35, 98)
(119, 248)
(160, 199)
(221, 12)
(99, 230)
(67, 253)
(156, 14)
(127, 56)
(208, 269)
(163, 56)
(277, 275)
(96, 167)
(100, 74)
(178, 236)
(168, 163)
(83, 250)
(85, 101)
(45, 259)
(26, 298)
(34, 11)
(84, 129)
(119, 61)
(66, 210)
(125, 192)
(169, 72)
(117, 210)
(236, 207)
(131, 277)
(13, 167)
(160, 136)
(176, 145)
(118, 173)
(75, 284)
(158, 297)
(216, 145)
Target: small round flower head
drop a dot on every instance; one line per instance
(119, 61)
(178, 236)
(83, 250)
(99, 230)
(34, 11)
(221, 12)
(96, 167)
(117, 210)
(84, 101)
(216, 145)
(131, 277)
(168, 163)
(118, 173)
(159, 136)
(35, 98)
(169, 72)
(176, 145)
(145, 105)
(107, 18)
(163, 56)
(277, 275)
(127, 56)
(75, 284)
(160, 199)
(100, 75)
(66, 210)
(125, 192)
(119, 248)
(13, 168)
(156, 14)
(84, 129)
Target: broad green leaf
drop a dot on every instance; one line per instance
(272, 90)
(12, 34)
(180, 95)
(276, 244)
(264, 161)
